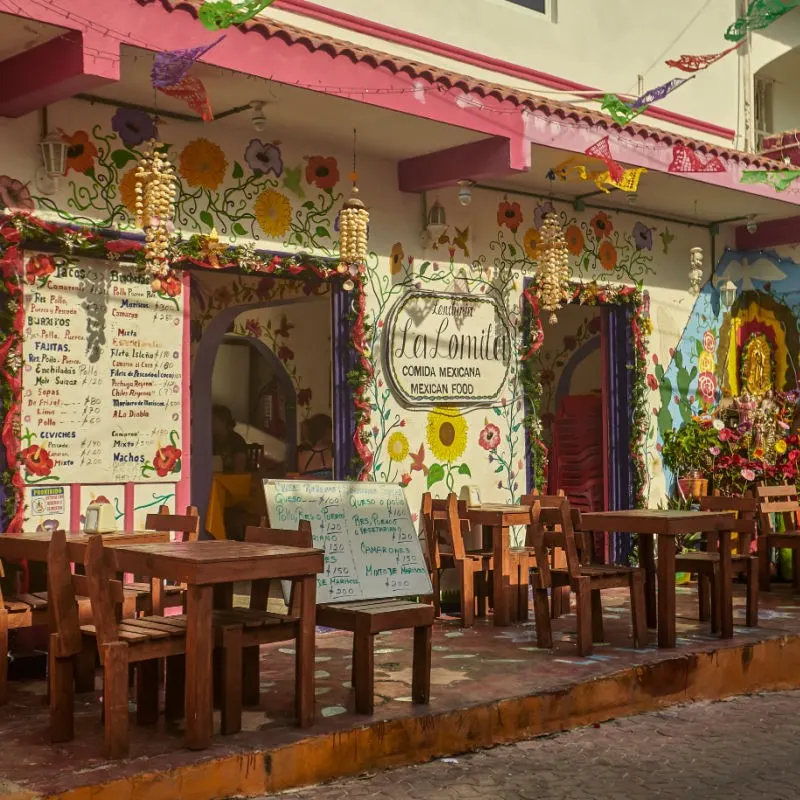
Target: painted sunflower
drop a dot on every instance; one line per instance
(532, 242)
(127, 190)
(396, 259)
(203, 163)
(608, 256)
(447, 433)
(273, 212)
(574, 237)
(397, 447)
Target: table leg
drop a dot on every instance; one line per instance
(304, 659)
(199, 650)
(647, 561)
(502, 571)
(666, 592)
(726, 584)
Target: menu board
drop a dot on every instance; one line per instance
(371, 548)
(102, 354)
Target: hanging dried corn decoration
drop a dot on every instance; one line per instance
(353, 231)
(553, 272)
(155, 206)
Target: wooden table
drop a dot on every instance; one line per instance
(665, 525)
(500, 518)
(34, 546)
(204, 565)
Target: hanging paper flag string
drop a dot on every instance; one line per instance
(628, 181)
(219, 14)
(620, 112)
(779, 179)
(602, 150)
(760, 14)
(193, 92)
(170, 68)
(696, 63)
(686, 160)
(659, 93)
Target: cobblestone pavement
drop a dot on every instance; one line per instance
(743, 748)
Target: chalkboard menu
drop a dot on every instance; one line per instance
(102, 354)
(371, 548)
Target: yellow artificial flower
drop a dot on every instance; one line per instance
(447, 433)
(273, 212)
(397, 447)
(532, 242)
(203, 163)
(127, 190)
(780, 447)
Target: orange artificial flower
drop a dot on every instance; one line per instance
(574, 238)
(602, 225)
(81, 153)
(322, 172)
(608, 256)
(510, 215)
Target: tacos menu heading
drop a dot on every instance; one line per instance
(102, 361)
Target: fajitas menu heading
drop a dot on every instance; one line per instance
(101, 387)
(447, 349)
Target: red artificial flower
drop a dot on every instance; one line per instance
(166, 460)
(37, 460)
(171, 284)
(10, 233)
(39, 267)
(510, 215)
(322, 172)
(122, 246)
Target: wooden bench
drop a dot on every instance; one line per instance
(774, 502)
(365, 619)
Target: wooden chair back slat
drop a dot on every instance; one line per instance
(452, 531)
(186, 526)
(61, 596)
(746, 504)
(102, 591)
(774, 500)
(784, 490)
(535, 538)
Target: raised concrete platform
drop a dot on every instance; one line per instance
(490, 686)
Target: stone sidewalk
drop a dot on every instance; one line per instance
(744, 748)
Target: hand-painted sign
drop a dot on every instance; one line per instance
(447, 349)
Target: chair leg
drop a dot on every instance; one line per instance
(421, 667)
(61, 682)
(174, 687)
(251, 677)
(583, 601)
(147, 692)
(437, 597)
(523, 584)
(481, 584)
(796, 569)
(115, 698)
(598, 634)
(703, 597)
(763, 563)
(467, 581)
(638, 609)
(364, 672)
(541, 612)
(751, 614)
(231, 680)
(3, 656)
(716, 607)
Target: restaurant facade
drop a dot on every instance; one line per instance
(435, 358)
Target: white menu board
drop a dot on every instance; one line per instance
(371, 548)
(102, 354)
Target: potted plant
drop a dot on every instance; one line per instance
(689, 453)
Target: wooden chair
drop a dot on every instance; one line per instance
(774, 502)
(554, 529)
(155, 596)
(712, 595)
(433, 515)
(140, 642)
(365, 619)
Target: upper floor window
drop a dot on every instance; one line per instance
(533, 5)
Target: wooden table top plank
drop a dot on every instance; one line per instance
(34, 545)
(648, 520)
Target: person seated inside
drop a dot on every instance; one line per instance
(315, 456)
(228, 447)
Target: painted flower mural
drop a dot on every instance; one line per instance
(574, 239)
(489, 437)
(509, 215)
(133, 126)
(14, 195)
(202, 163)
(81, 151)
(397, 447)
(531, 243)
(396, 258)
(607, 254)
(36, 461)
(447, 438)
(602, 225)
(322, 172)
(264, 158)
(167, 460)
(127, 190)
(642, 236)
(273, 212)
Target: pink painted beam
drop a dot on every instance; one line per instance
(773, 233)
(78, 61)
(495, 157)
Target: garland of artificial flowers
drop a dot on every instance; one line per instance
(23, 230)
(592, 294)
